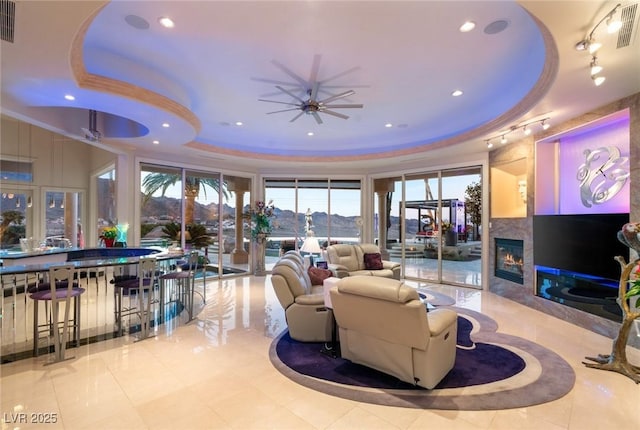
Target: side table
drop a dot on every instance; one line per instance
(333, 349)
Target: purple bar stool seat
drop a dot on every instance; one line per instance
(61, 288)
(140, 286)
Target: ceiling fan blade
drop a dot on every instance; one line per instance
(317, 117)
(338, 96)
(296, 117)
(275, 101)
(354, 105)
(284, 110)
(339, 75)
(314, 90)
(290, 93)
(339, 115)
(282, 67)
(274, 81)
(313, 77)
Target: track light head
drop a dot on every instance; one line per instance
(598, 80)
(489, 144)
(545, 124)
(613, 25)
(594, 46)
(582, 45)
(503, 140)
(595, 67)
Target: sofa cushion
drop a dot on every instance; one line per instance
(373, 261)
(318, 275)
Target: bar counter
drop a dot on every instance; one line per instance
(96, 269)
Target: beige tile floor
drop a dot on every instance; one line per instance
(215, 373)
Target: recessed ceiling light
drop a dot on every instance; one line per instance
(456, 93)
(69, 97)
(467, 26)
(166, 22)
(156, 142)
(238, 123)
(310, 133)
(166, 125)
(388, 125)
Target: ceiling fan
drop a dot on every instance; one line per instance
(314, 107)
(311, 105)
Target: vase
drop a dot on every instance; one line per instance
(259, 252)
(108, 242)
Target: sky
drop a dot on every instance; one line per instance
(453, 188)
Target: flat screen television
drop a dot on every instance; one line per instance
(580, 243)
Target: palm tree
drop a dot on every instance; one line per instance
(162, 181)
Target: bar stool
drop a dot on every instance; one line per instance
(142, 287)
(184, 277)
(61, 288)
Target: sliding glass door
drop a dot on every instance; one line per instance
(328, 210)
(196, 210)
(431, 222)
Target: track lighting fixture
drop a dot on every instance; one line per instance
(589, 43)
(526, 130)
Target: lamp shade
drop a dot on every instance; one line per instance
(311, 245)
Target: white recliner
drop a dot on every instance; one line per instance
(384, 325)
(307, 317)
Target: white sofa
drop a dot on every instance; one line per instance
(384, 325)
(350, 260)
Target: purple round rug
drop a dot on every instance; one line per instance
(492, 371)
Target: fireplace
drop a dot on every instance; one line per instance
(509, 260)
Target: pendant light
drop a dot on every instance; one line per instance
(62, 175)
(18, 168)
(52, 203)
(29, 198)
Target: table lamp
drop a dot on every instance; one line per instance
(311, 245)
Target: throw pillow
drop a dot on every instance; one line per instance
(317, 275)
(373, 261)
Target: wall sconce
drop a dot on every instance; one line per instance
(589, 43)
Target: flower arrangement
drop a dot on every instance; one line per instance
(446, 226)
(109, 233)
(261, 226)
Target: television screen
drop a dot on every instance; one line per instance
(580, 243)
